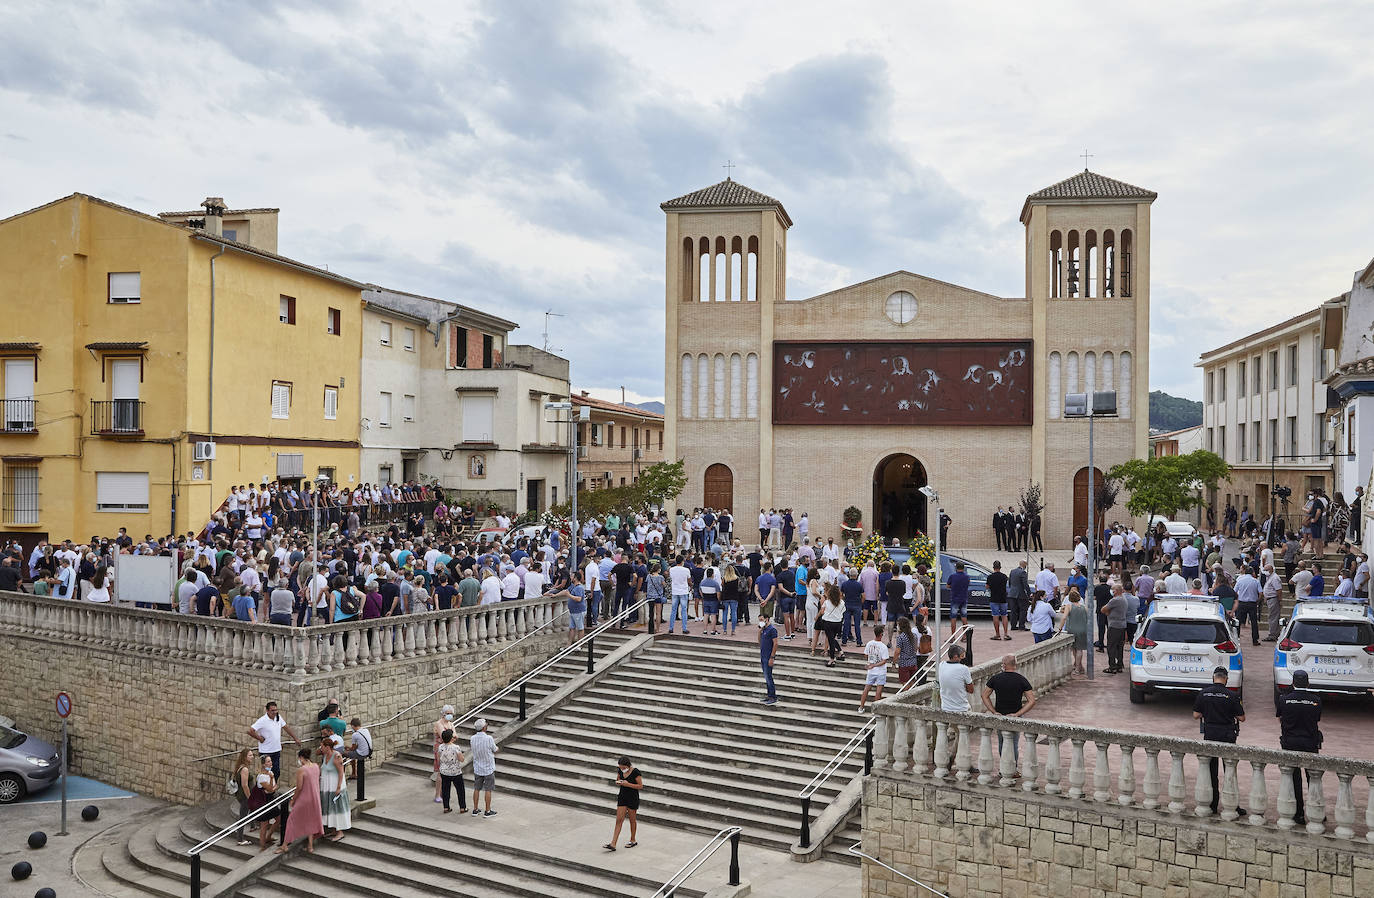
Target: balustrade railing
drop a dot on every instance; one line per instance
(270, 647)
(1102, 769)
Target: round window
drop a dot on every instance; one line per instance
(901, 307)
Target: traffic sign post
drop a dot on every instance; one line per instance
(64, 709)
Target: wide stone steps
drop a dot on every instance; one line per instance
(838, 848)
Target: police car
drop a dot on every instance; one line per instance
(1331, 639)
(1180, 642)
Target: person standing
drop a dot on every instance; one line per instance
(1117, 610)
(1018, 593)
(831, 617)
(877, 657)
(999, 530)
(1221, 714)
(630, 782)
(1299, 713)
(267, 730)
(1042, 617)
(1034, 524)
(451, 771)
(243, 789)
(768, 653)
(1077, 624)
(851, 626)
(1014, 698)
(1273, 601)
(956, 681)
(334, 806)
(305, 819)
(483, 767)
(1247, 603)
(997, 602)
(958, 597)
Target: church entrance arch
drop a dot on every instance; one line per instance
(718, 488)
(899, 508)
(1080, 498)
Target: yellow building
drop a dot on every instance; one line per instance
(148, 366)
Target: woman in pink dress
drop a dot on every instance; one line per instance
(305, 818)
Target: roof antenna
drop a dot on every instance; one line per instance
(547, 315)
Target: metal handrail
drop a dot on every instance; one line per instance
(854, 849)
(871, 724)
(730, 834)
(195, 852)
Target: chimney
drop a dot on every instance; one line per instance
(584, 392)
(214, 215)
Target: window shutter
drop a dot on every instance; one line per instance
(384, 413)
(121, 491)
(281, 400)
(331, 403)
(477, 419)
(125, 286)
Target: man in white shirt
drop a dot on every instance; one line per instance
(510, 586)
(831, 552)
(1169, 546)
(534, 583)
(491, 588)
(1362, 578)
(591, 582)
(1080, 553)
(680, 580)
(1047, 581)
(1175, 583)
(1346, 588)
(956, 681)
(1272, 590)
(1116, 546)
(267, 730)
(483, 767)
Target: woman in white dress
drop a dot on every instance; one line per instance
(334, 807)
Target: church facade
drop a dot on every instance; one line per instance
(863, 395)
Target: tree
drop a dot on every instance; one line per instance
(1106, 492)
(661, 483)
(1169, 483)
(1032, 505)
(657, 485)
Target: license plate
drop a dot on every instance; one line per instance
(1183, 659)
(1337, 660)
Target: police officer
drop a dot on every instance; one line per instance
(1221, 714)
(1299, 712)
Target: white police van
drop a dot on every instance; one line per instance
(1333, 640)
(1180, 642)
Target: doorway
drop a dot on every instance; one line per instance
(1080, 499)
(718, 488)
(899, 507)
(534, 495)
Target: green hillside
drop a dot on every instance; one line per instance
(1172, 412)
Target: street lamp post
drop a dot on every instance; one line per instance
(933, 497)
(575, 417)
(1090, 406)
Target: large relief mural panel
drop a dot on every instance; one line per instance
(946, 382)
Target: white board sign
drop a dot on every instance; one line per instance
(145, 578)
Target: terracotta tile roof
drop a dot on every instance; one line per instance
(118, 345)
(13, 347)
(616, 407)
(1359, 366)
(1089, 185)
(725, 194)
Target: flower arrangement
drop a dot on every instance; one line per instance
(871, 550)
(557, 523)
(922, 550)
(851, 522)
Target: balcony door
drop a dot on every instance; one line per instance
(19, 377)
(124, 378)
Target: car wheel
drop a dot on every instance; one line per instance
(11, 788)
(1137, 695)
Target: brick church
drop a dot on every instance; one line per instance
(863, 395)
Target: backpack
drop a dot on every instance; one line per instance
(348, 602)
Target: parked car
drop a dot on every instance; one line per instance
(1181, 641)
(27, 763)
(978, 596)
(1331, 639)
(1179, 530)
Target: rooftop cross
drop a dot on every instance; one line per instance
(728, 166)
(1086, 156)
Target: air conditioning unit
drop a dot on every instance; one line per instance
(582, 451)
(204, 451)
(636, 454)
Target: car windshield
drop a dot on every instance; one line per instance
(11, 738)
(1197, 632)
(1330, 632)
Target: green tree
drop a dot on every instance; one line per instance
(657, 485)
(1170, 483)
(660, 484)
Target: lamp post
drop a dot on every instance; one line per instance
(320, 481)
(933, 497)
(1090, 406)
(575, 417)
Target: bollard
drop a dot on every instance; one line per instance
(522, 701)
(968, 648)
(195, 875)
(591, 661)
(806, 823)
(868, 753)
(362, 779)
(734, 859)
(652, 617)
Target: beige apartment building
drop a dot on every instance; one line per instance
(863, 395)
(1265, 412)
(617, 442)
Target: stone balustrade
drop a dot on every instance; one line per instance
(296, 651)
(961, 749)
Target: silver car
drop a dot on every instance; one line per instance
(27, 763)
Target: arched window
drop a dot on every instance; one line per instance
(703, 386)
(1089, 372)
(1056, 264)
(1056, 363)
(752, 381)
(736, 385)
(1071, 374)
(1073, 269)
(1127, 246)
(687, 394)
(718, 387)
(688, 261)
(1109, 263)
(720, 268)
(704, 271)
(1107, 371)
(1123, 395)
(753, 269)
(1090, 261)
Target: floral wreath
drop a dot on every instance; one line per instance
(922, 550)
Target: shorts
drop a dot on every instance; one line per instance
(483, 782)
(577, 620)
(870, 606)
(1115, 558)
(876, 677)
(999, 609)
(712, 606)
(906, 673)
(958, 608)
(788, 605)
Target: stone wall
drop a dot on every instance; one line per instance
(143, 714)
(964, 841)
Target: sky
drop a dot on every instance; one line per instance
(512, 155)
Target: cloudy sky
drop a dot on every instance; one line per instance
(512, 155)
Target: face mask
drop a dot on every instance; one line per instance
(448, 717)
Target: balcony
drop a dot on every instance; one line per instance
(19, 416)
(117, 418)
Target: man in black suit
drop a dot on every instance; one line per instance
(999, 530)
(1018, 532)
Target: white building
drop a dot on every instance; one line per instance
(1265, 412)
(446, 398)
(1348, 330)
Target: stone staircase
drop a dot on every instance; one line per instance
(688, 713)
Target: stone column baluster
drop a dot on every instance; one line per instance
(467, 630)
(368, 649)
(422, 638)
(408, 630)
(1125, 783)
(1102, 773)
(1151, 783)
(326, 648)
(1006, 756)
(1202, 788)
(901, 749)
(1288, 802)
(235, 647)
(1229, 800)
(942, 753)
(1369, 811)
(883, 729)
(1053, 764)
(1259, 794)
(963, 755)
(1077, 771)
(1177, 790)
(1345, 807)
(441, 634)
(985, 758)
(1029, 771)
(386, 639)
(1316, 803)
(920, 747)
(481, 618)
(352, 640)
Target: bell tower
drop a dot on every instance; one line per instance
(726, 254)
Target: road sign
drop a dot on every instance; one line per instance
(64, 704)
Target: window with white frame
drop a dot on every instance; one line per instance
(281, 399)
(478, 419)
(409, 344)
(408, 407)
(331, 403)
(19, 493)
(386, 333)
(126, 287)
(384, 410)
(121, 491)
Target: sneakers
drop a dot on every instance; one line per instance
(476, 812)
(488, 814)
(770, 701)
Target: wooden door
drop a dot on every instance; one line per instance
(718, 490)
(1080, 499)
